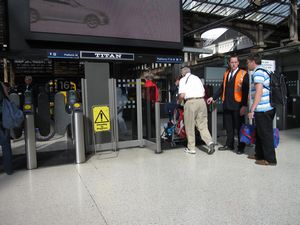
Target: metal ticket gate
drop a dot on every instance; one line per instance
(49, 138)
(121, 126)
(116, 112)
(118, 119)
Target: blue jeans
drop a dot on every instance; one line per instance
(6, 150)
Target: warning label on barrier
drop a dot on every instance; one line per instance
(101, 118)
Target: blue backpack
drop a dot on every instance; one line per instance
(12, 116)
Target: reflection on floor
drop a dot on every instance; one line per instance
(138, 187)
(57, 151)
(58, 142)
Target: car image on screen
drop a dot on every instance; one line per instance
(66, 11)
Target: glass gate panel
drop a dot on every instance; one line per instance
(126, 109)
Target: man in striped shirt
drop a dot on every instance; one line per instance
(262, 111)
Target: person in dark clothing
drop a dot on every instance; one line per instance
(174, 89)
(29, 92)
(5, 136)
(171, 106)
(234, 93)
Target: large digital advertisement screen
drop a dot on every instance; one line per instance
(149, 20)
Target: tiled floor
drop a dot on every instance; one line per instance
(139, 187)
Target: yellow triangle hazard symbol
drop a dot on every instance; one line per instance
(101, 117)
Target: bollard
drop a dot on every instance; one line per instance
(157, 127)
(214, 123)
(30, 145)
(79, 137)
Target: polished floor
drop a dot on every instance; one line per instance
(136, 187)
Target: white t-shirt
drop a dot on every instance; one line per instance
(191, 86)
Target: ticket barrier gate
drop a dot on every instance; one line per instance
(30, 142)
(29, 129)
(79, 136)
(75, 108)
(68, 114)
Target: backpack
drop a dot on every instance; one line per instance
(12, 116)
(278, 90)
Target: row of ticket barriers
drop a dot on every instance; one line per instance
(41, 123)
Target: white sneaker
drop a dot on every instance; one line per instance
(190, 151)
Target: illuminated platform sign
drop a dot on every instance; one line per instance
(63, 54)
(164, 59)
(107, 56)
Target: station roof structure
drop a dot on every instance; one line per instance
(269, 12)
(247, 17)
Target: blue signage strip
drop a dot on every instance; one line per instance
(166, 59)
(107, 56)
(63, 54)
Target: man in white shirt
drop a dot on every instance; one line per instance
(191, 90)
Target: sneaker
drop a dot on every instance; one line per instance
(190, 151)
(211, 149)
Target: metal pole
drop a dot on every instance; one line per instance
(86, 116)
(30, 146)
(12, 74)
(214, 124)
(139, 111)
(249, 98)
(113, 112)
(275, 121)
(148, 116)
(157, 127)
(79, 137)
(5, 70)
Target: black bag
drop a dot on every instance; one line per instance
(278, 90)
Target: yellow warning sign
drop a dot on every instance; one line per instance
(101, 118)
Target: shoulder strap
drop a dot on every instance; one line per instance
(262, 69)
(187, 79)
(269, 74)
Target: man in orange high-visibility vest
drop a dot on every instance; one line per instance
(234, 93)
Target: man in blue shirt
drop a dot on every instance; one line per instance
(262, 111)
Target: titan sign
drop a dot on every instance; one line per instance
(106, 55)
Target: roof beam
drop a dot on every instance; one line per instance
(249, 9)
(197, 50)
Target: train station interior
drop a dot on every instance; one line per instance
(95, 144)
